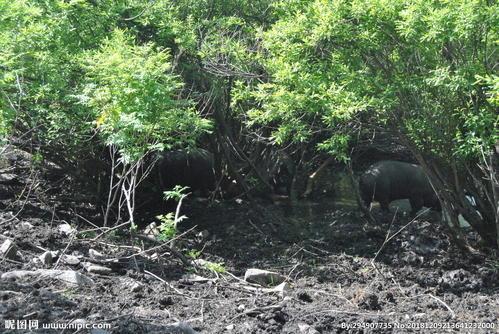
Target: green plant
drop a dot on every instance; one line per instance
(176, 194)
(169, 221)
(87, 235)
(194, 253)
(133, 228)
(168, 228)
(135, 95)
(216, 267)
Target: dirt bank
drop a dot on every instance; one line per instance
(326, 253)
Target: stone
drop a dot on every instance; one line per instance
(66, 229)
(180, 328)
(46, 258)
(97, 269)
(459, 280)
(55, 254)
(263, 277)
(95, 254)
(9, 250)
(8, 179)
(200, 262)
(70, 259)
(369, 301)
(230, 328)
(307, 329)
(67, 276)
(152, 230)
(25, 226)
(282, 289)
(135, 287)
(193, 278)
(203, 235)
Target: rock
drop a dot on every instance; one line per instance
(459, 280)
(412, 258)
(230, 328)
(79, 322)
(66, 229)
(9, 179)
(70, 259)
(180, 328)
(200, 262)
(135, 287)
(25, 226)
(369, 301)
(152, 230)
(307, 329)
(97, 269)
(193, 278)
(166, 301)
(203, 235)
(6, 192)
(46, 258)
(131, 284)
(305, 297)
(263, 277)
(241, 307)
(423, 245)
(9, 250)
(282, 289)
(95, 254)
(68, 276)
(55, 254)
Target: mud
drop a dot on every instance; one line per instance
(340, 272)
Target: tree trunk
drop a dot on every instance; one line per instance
(312, 179)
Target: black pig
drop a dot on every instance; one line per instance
(193, 168)
(386, 181)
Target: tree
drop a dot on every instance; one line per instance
(424, 71)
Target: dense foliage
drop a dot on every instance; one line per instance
(286, 76)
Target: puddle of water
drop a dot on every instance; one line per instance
(310, 218)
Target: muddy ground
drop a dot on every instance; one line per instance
(339, 271)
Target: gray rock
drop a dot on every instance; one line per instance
(180, 328)
(282, 289)
(193, 278)
(8, 178)
(263, 277)
(135, 287)
(70, 259)
(66, 229)
(459, 280)
(67, 276)
(307, 329)
(152, 230)
(55, 254)
(97, 269)
(25, 226)
(9, 250)
(46, 258)
(203, 235)
(131, 284)
(95, 254)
